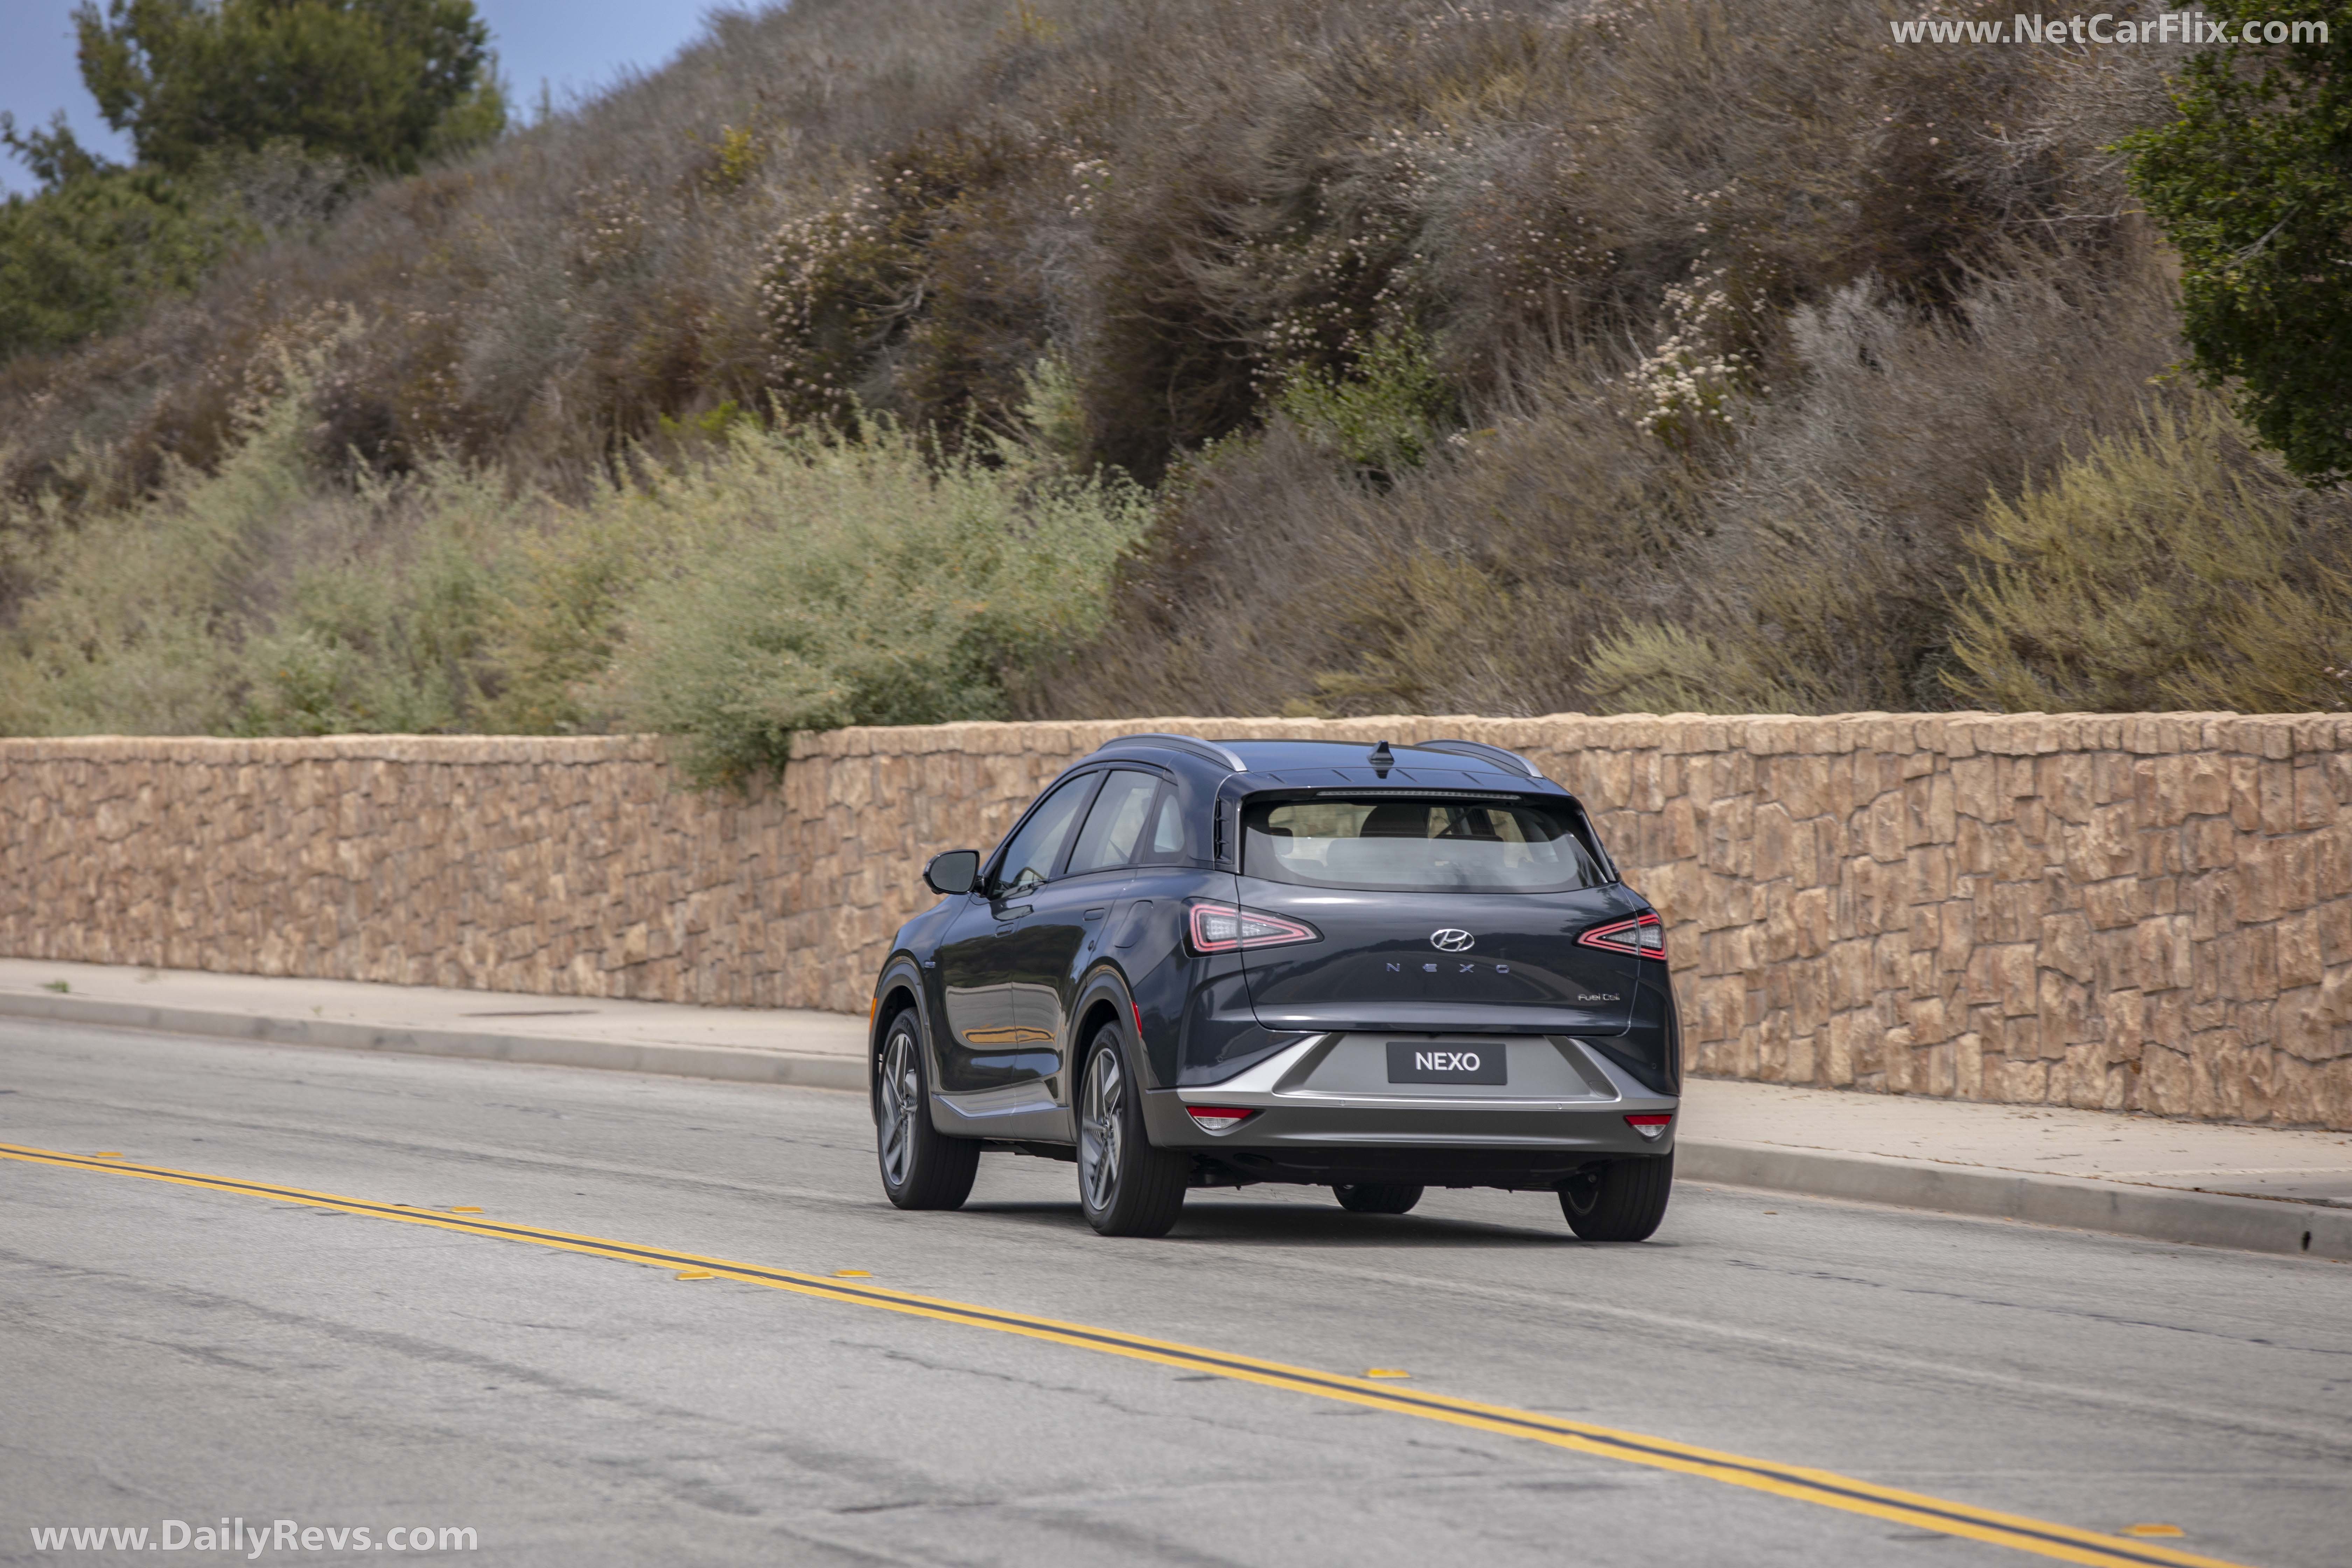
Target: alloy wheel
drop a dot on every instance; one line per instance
(1099, 1128)
(899, 1090)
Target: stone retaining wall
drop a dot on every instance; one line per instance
(2140, 912)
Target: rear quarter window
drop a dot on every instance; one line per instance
(1392, 844)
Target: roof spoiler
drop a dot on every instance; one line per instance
(1193, 743)
(1510, 762)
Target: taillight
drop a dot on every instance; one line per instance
(1221, 927)
(1649, 1126)
(1643, 936)
(1217, 1118)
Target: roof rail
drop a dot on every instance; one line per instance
(1483, 752)
(1193, 743)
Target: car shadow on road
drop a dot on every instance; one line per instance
(1247, 1223)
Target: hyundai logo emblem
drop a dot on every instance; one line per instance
(1451, 940)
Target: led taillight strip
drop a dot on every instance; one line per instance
(1643, 936)
(1221, 927)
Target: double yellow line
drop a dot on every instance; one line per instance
(1825, 1487)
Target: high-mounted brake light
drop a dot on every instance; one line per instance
(1649, 1126)
(1221, 927)
(1217, 1118)
(1643, 936)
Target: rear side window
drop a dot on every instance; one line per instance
(1116, 823)
(1168, 827)
(1403, 845)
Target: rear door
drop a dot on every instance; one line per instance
(985, 963)
(1070, 914)
(1432, 910)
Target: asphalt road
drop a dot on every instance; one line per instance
(169, 1352)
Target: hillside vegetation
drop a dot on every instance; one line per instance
(915, 359)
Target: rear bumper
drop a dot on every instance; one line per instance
(1319, 1117)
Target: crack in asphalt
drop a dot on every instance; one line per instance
(1976, 1299)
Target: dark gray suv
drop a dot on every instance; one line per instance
(1200, 964)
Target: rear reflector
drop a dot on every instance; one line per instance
(1643, 936)
(1649, 1126)
(1221, 927)
(1217, 1118)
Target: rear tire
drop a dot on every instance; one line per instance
(1126, 1186)
(1377, 1197)
(1623, 1201)
(922, 1168)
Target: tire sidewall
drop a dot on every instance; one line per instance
(1148, 1193)
(1625, 1201)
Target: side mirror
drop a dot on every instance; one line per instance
(953, 872)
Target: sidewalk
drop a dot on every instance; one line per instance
(2169, 1181)
(816, 1050)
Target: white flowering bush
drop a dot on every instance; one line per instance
(827, 281)
(1692, 386)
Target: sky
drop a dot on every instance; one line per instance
(575, 46)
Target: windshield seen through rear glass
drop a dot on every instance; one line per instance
(1403, 845)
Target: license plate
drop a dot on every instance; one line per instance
(1416, 1061)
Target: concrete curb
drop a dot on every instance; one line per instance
(2156, 1214)
(676, 1060)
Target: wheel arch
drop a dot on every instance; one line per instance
(1105, 998)
(899, 990)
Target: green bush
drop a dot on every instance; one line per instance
(2172, 568)
(810, 581)
(772, 582)
(266, 599)
(1384, 413)
(388, 616)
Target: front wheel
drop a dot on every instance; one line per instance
(1126, 1186)
(1621, 1201)
(1377, 1197)
(922, 1168)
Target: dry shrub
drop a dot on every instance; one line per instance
(1821, 576)
(1185, 200)
(1284, 579)
(1905, 277)
(1230, 595)
(545, 301)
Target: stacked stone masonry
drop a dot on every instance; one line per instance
(2146, 912)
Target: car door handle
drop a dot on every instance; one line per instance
(1015, 912)
(1097, 913)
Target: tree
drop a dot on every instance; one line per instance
(210, 90)
(2254, 186)
(80, 256)
(55, 155)
(381, 84)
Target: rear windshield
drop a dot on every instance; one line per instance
(1390, 844)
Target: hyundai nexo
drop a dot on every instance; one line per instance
(1195, 963)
